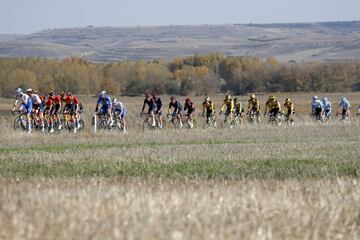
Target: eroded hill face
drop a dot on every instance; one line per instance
(286, 42)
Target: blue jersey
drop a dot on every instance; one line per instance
(317, 104)
(104, 101)
(344, 104)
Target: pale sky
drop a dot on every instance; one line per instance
(27, 16)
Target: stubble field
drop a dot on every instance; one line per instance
(253, 182)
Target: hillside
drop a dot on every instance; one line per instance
(299, 42)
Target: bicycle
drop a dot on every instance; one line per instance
(275, 119)
(210, 122)
(189, 123)
(102, 123)
(253, 116)
(20, 121)
(174, 121)
(118, 122)
(148, 122)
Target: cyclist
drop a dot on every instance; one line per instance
(177, 109)
(152, 107)
(238, 108)
(208, 109)
(327, 107)
(317, 108)
(254, 106)
(190, 107)
(345, 106)
(290, 109)
(75, 111)
(56, 107)
(229, 105)
(26, 106)
(159, 107)
(49, 106)
(37, 107)
(119, 110)
(274, 107)
(106, 108)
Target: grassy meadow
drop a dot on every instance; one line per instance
(252, 182)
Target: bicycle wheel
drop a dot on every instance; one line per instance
(81, 124)
(18, 124)
(147, 124)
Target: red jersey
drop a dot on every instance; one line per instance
(75, 100)
(68, 100)
(49, 103)
(56, 99)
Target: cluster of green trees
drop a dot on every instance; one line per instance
(198, 75)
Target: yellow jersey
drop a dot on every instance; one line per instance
(208, 106)
(290, 107)
(253, 103)
(228, 104)
(272, 105)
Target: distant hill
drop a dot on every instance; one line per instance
(287, 42)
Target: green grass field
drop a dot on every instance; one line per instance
(253, 182)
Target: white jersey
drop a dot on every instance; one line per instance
(119, 106)
(35, 99)
(24, 98)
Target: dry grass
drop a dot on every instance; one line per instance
(157, 209)
(255, 182)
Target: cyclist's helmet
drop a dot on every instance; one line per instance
(325, 99)
(206, 99)
(315, 98)
(114, 100)
(235, 99)
(288, 100)
(228, 97)
(19, 92)
(62, 94)
(103, 93)
(51, 93)
(172, 98)
(343, 98)
(272, 98)
(29, 91)
(187, 100)
(252, 96)
(69, 94)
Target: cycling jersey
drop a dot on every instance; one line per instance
(317, 104)
(272, 105)
(158, 104)
(119, 108)
(151, 103)
(26, 104)
(290, 107)
(327, 108)
(208, 106)
(49, 105)
(67, 100)
(177, 107)
(344, 104)
(190, 107)
(105, 104)
(75, 100)
(35, 99)
(238, 108)
(56, 99)
(253, 104)
(229, 105)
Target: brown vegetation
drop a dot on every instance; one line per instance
(198, 75)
